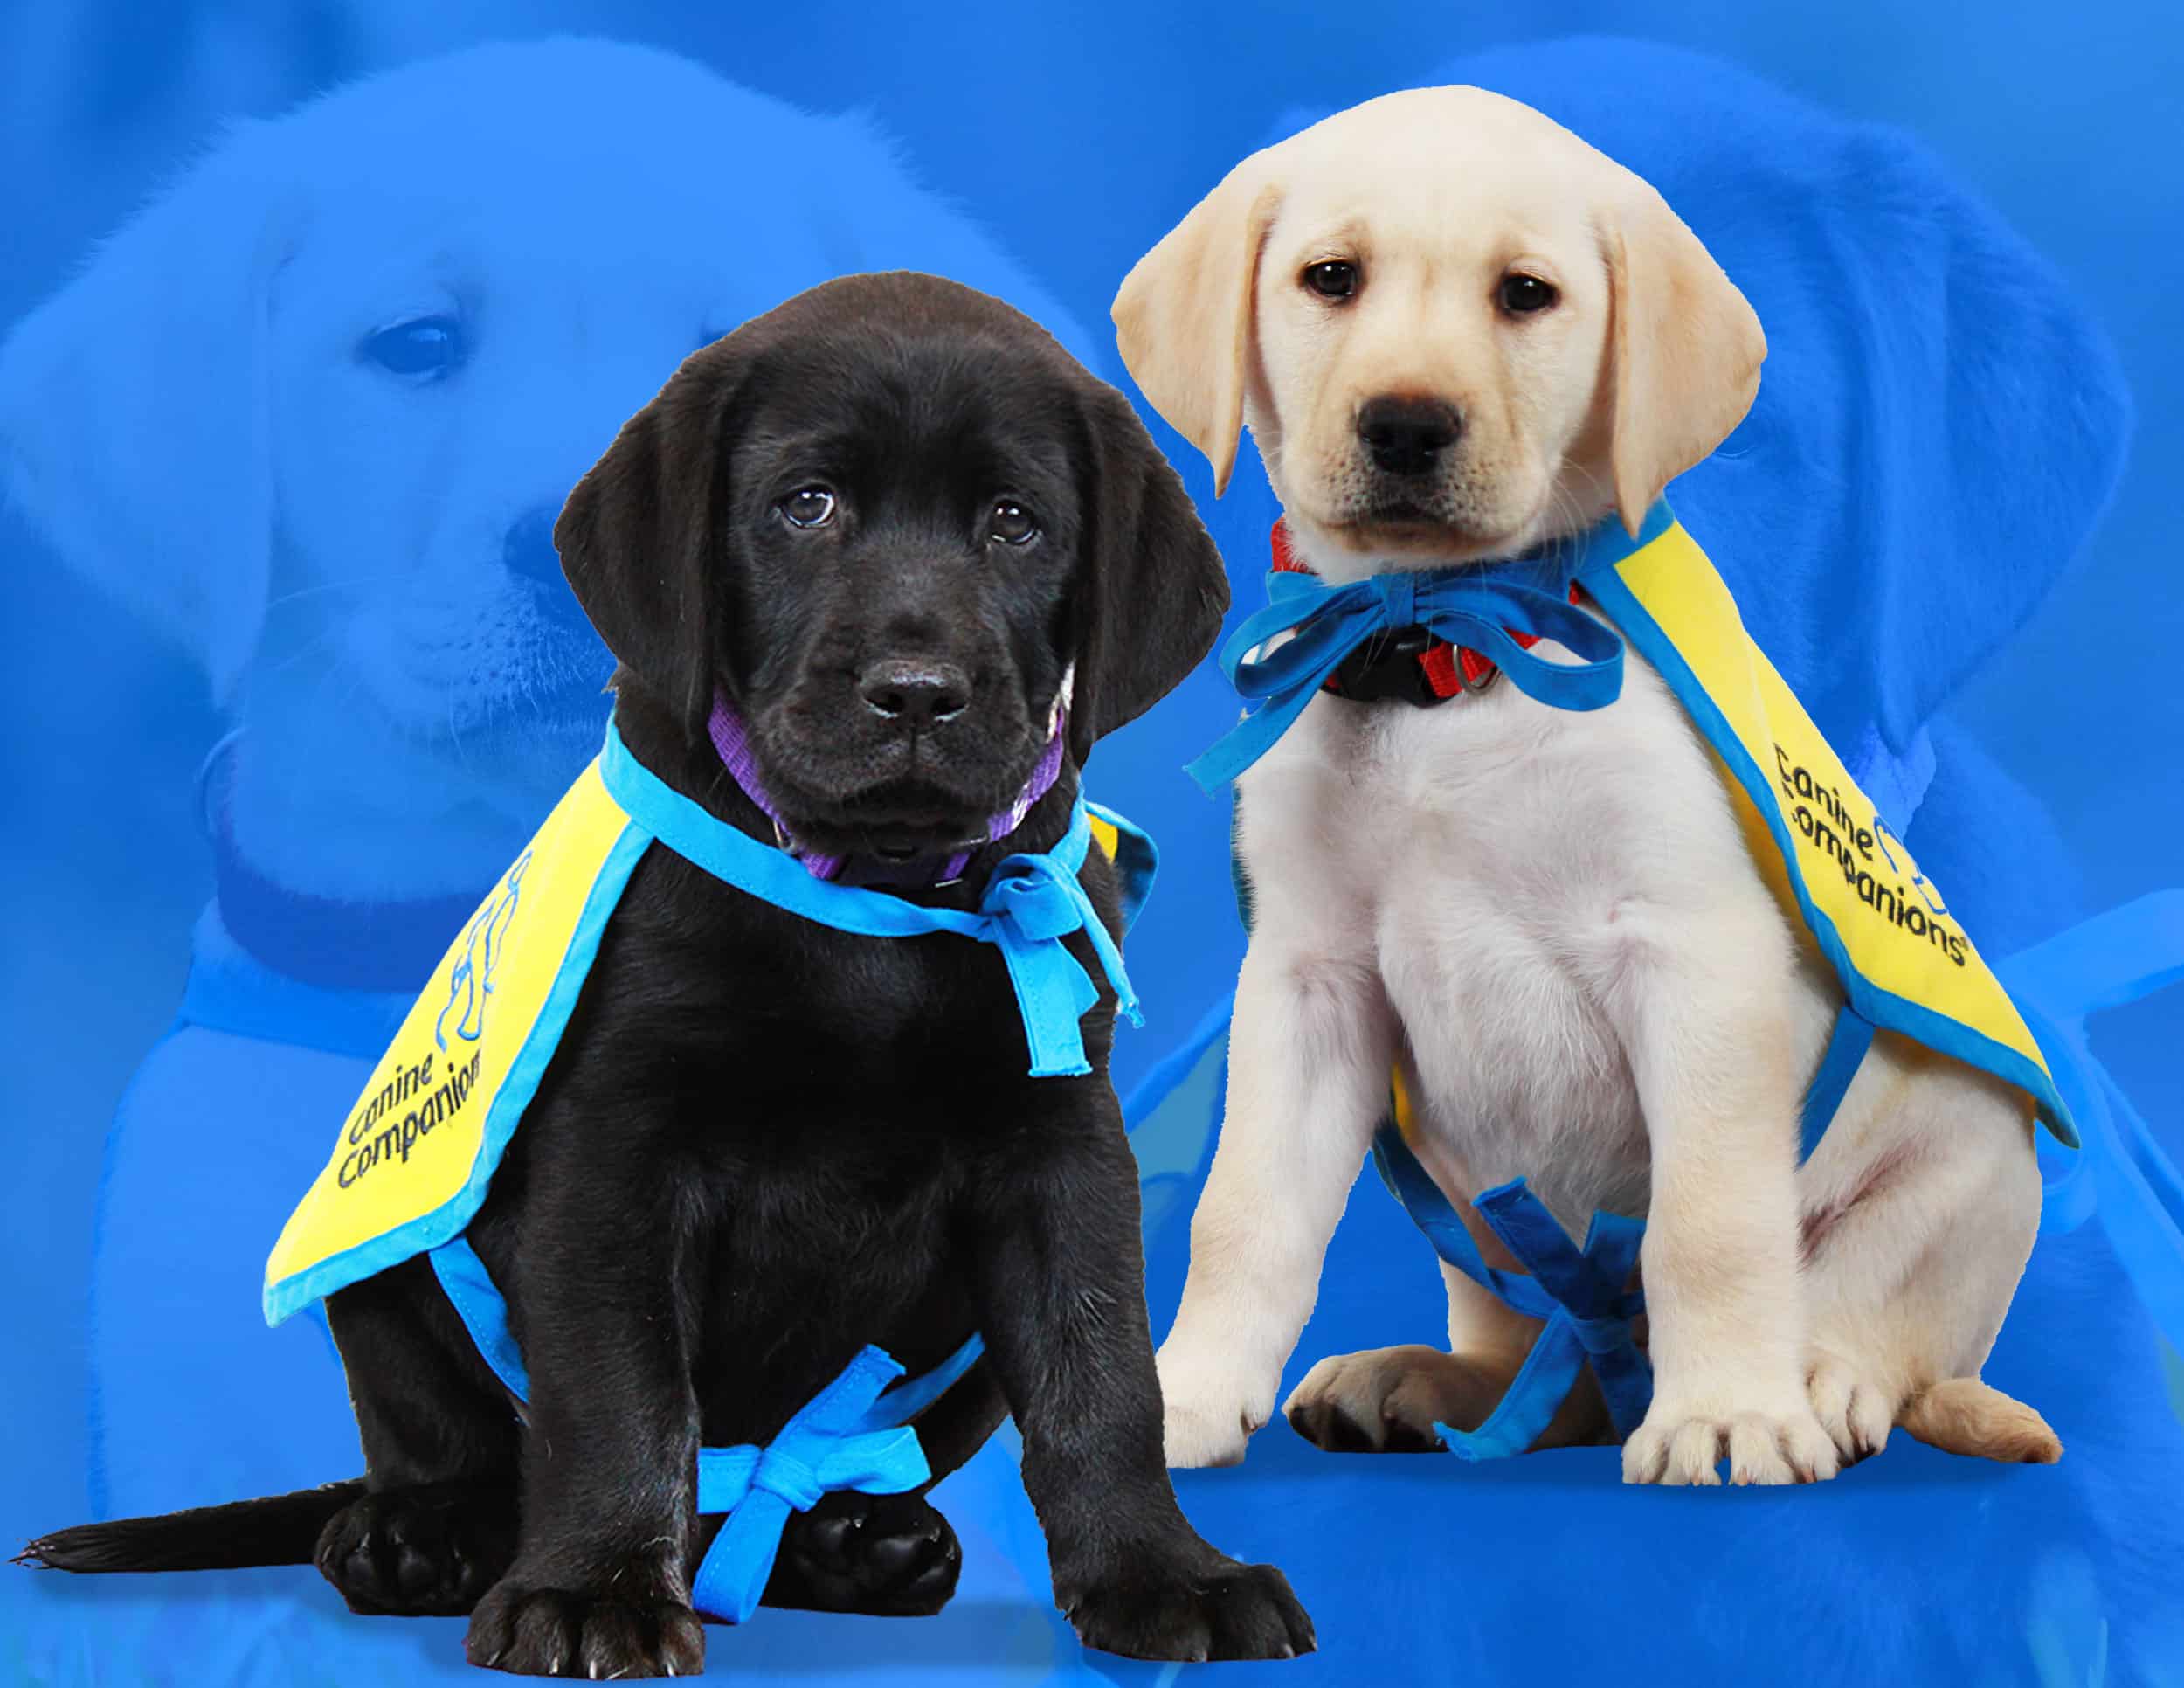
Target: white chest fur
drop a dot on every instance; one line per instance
(1517, 877)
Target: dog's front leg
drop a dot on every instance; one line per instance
(1060, 1277)
(600, 1583)
(1311, 1049)
(1712, 1048)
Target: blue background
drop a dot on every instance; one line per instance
(1078, 134)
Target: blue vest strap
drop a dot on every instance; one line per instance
(1847, 1047)
(1579, 1292)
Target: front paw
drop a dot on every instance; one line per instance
(1207, 1414)
(1683, 1439)
(1196, 1606)
(624, 1625)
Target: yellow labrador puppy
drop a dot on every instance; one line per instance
(1456, 331)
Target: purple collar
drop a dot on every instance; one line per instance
(734, 746)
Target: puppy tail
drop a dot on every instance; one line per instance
(1963, 1416)
(278, 1530)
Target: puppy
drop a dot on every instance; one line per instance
(1457, 332)
(762, 1142)
(312, 414)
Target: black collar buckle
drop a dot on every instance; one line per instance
(1387, 665)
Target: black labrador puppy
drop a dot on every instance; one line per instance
(887, 520)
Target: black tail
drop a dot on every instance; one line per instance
(278, 1530)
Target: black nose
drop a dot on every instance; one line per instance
(1405, 435)
(527, 548)
(916, 694)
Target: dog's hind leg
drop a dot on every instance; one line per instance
(436, 1525)
(1911, 1256)
(890, 1556)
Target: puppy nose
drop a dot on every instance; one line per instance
(915, 694)
(527, 548)
(1405, 435)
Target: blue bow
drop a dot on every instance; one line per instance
(1473, 607)
(1032, 903)
(1579, 1292)
(824, 1447)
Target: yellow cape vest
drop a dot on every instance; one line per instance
(1905, 962)
(411, 1162)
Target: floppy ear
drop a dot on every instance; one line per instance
(1183, 315)
(1154, 590)
(134, 419)
(639, 536)
(1684, 351)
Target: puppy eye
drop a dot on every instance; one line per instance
(1012, 524)
(1523, 295)
(428, 346)
(1333, 279)
(808, 507)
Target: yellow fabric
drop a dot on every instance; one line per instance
(1892, 925)
(411, 1144)
(1105, 835)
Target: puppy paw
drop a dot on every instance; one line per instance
(1856, 1413)
(624, 1626)
(1387, 1400)
(1682, 1443)
(1199, 1607)
(428, 1552)
(884, 1555)
(1206, 1418)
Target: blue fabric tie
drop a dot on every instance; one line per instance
(1579, 1293)
(1030, 905)
(1472, 606)
(821, 1449)
(854, 1435)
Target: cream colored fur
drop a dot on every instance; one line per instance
(1550, 921)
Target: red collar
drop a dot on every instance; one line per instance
(1447, 669)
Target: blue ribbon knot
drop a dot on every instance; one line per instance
(1399, 599)
(830, 1444)
(1579, 1292)
(1473, 606)
(1030, 905)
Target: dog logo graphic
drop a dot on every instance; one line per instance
(470, 981)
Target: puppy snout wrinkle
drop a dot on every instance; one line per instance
(918, 694)
(1405, 435)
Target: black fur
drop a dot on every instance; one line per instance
(763, 1143)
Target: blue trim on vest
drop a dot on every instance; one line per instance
(428, 1231)
(854, 1435)
(1030, 904)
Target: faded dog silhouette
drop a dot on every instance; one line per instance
(313, 414)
